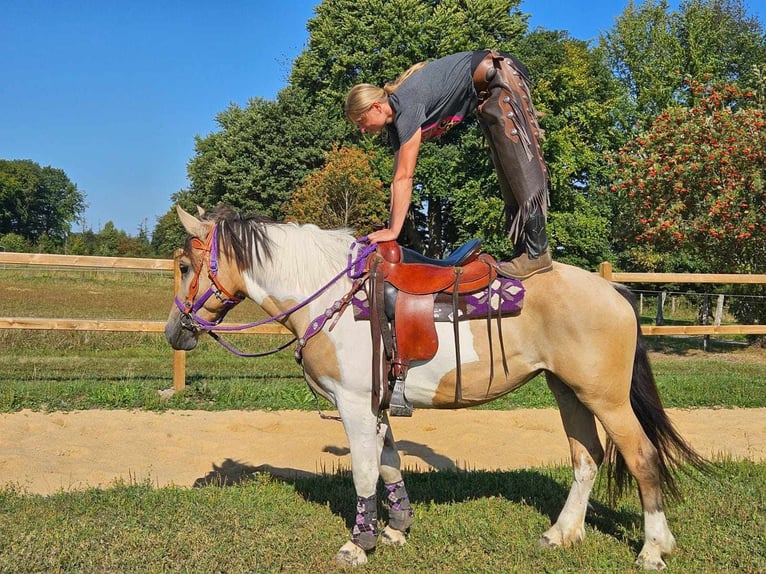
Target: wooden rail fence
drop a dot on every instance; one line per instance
(114, 325)
(605, 270)
(179, 357)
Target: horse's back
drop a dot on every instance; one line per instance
(573, 324)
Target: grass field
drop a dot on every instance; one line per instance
(465, 521)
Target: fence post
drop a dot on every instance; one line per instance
(718, 311)
(605, 270)
(179, 357)
(179, 370)
(706, 321)
(660, 320)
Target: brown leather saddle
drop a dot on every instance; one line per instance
(403, 289)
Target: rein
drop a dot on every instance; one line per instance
(191, 320)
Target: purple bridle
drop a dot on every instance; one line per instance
(189, 317)
(359, 251)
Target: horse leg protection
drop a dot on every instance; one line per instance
(365, 531)
(400, 515)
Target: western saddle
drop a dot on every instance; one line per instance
(403, 290)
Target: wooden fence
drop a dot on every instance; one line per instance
(605, 270)
(119, 325)
(179, 357)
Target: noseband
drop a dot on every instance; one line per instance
(189, 317)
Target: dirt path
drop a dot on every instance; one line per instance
(45, 453)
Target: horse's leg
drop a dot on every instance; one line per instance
(400, 513)
(366, 436)
(587, 454)
(642, 460)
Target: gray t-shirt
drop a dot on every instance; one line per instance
(435, 98)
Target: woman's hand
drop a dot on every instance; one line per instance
(382, 235)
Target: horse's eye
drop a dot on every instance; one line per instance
(184, 268)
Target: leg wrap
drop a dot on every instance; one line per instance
(365, 531)
(400, 513)
(510, 125)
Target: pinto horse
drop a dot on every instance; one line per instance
(581, 331)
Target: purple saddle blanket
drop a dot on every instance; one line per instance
(505, 296)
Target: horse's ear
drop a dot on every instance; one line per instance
(201, 211)
(193, 226)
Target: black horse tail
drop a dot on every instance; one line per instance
(672, 450)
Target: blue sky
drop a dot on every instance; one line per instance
(114, 92)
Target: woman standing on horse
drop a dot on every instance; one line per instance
(428, 99)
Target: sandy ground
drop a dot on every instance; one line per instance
(45, 453)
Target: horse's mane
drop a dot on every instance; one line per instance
(306, 254)
(241, 237)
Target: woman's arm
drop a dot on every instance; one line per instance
(405, 160)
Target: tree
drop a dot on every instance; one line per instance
(261, 153)
(652, 49)
(108, 240)
(37, 201)
(343, 193)
(375, 41)
(16, 243)
(694, 185)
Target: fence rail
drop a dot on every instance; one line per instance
(114, 325)
(605, 270)
(179, 357)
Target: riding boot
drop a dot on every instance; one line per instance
(534, 254)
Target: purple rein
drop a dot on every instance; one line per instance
(191, 320)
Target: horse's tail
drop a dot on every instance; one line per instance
(672, 449)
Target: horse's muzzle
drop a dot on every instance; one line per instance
(181, 332)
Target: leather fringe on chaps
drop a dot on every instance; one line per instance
(509, 122)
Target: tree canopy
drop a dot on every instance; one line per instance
(273, 156)
(344, 193)
(654, 50)
(694, 184)
(37, 202)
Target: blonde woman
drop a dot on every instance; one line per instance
(430, 98)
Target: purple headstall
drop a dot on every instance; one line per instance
(358, 253)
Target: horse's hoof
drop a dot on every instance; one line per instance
(545, 542)
(646, 562)
(393, 537)
(351, 556)
(556, 538)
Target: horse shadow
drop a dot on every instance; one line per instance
(537, 488)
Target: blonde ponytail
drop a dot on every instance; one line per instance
(391, 87)
(360, 99)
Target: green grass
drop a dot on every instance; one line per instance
(72, 370)
(465, 522)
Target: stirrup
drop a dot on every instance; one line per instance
(399, 405)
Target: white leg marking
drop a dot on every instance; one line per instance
(570, 525)
(658, 542)
(392, 537)
(350, 555)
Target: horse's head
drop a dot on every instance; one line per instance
(209, 284)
